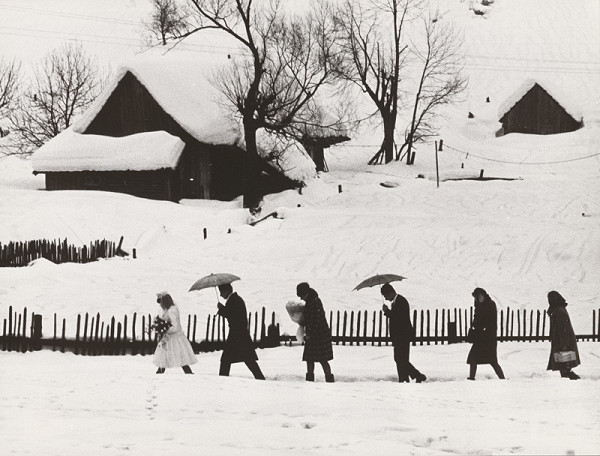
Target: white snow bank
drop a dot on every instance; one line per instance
(289, 156)
(70, 151)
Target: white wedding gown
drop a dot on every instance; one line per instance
(175, 349)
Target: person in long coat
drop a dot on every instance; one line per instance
(483, 334)
(562, 336)
(238, 346)
(402, 333)
(174, 349)
(317, 337)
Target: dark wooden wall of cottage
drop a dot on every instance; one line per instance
(145, 184)
(538, 113)
(132, 109)
(317, 153)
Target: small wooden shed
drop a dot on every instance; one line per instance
(168, 96)
(536, 109)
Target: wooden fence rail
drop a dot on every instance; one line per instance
(16, 254)
(95, 335)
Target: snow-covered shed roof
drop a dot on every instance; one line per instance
(71, 151)
(561, 97)
(182, 86)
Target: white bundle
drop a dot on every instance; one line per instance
(296, 311)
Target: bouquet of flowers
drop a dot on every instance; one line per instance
(160, 327)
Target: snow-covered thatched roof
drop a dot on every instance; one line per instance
(553, 89)
(71, 151)
(183, 87)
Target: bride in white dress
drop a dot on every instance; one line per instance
(174, 349)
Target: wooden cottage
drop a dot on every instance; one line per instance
(537, 110)
(199, 153)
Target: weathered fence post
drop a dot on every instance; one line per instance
(36, 334)
(351, 327)
(78, 328)
(344, 328)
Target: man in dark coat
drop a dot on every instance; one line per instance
(562, 337)
(483, 334)
(238, 347)
(317, 338)
(402, 333)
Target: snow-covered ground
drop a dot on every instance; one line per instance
(518, 239)
(62, 404)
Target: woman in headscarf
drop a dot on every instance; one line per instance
(317, 339)
(483, 334)
(564, 354)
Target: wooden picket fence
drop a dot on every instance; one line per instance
(96, 336)
(443, 326)
(17, 254)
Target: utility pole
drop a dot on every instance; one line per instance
(437, 169)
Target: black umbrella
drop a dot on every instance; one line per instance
(214, 280)
(378, 279)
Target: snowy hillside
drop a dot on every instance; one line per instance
(518, 239)
(537, 229)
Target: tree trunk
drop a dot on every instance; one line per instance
(252, 194)
(388, 139)
(385, 154)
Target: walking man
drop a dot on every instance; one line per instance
(238, 347)
(401, 332)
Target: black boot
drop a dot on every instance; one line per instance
(310, 377)
(329, 378)
(573, 376)
(187, 369)
(161, 370)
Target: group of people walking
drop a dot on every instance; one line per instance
(175, 350)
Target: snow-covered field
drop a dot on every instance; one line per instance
(62, 404)
(518, 239)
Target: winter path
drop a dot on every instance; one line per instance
(62, 404)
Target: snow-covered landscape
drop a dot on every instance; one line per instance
(535, 229)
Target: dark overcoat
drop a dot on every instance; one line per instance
(317, 338)
(238, 347)
(562, 338)
(484, 327)
(401, 328)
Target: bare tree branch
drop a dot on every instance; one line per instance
(63, 86)
(374, 55)
(440, 82)
(168, 20)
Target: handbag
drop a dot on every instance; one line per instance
(564, 356)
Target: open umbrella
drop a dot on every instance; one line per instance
(214, 280)
(378, 279)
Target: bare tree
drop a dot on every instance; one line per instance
(287, 61)
(440, 82)
(168, 20)
(9, 84)
(63, 86)
(375, 53)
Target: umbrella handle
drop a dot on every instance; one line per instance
(217, 293)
